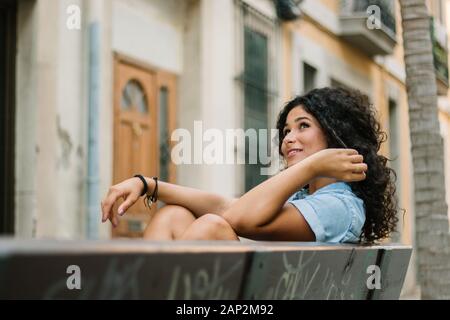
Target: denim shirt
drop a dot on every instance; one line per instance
(334, 213)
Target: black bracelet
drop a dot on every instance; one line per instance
(150, 199)
(144, 182)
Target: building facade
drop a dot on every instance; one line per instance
(99, 87)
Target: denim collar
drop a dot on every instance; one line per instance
(302, 193)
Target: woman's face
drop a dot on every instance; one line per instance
(303, 136)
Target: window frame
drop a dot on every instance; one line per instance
(247, 16)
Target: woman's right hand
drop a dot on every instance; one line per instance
(342, 164)
(129, 190)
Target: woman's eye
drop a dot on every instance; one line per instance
(286, 132)
(304, 125)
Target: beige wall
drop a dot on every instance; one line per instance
(51, 143)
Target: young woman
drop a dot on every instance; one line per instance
(335, 187)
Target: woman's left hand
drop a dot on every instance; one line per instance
(342, 164)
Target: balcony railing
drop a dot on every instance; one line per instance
(440, 55)
(379, 39)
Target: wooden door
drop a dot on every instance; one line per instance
(134, 137)
(144, 117)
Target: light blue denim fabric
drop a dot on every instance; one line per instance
(334, 213)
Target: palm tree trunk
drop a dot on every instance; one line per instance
(432, 237)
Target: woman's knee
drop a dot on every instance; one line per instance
(213, 221)
(212, 226)
(173, 213)
(169, 222)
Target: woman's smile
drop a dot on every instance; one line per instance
(293, 152)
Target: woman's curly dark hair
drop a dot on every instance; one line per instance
(349, 121)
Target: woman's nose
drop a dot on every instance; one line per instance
(289, 138)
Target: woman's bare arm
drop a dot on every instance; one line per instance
(256, 208)
(261, 205)
(197, 201)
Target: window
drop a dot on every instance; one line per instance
(164, 143)
(255, 98)
(394, 156)
(257, 64)
(309, 77)
(133, 96)
(394, 151)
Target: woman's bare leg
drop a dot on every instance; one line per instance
(209, 227)
(169, 223)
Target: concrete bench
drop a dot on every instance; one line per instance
(136, 269)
